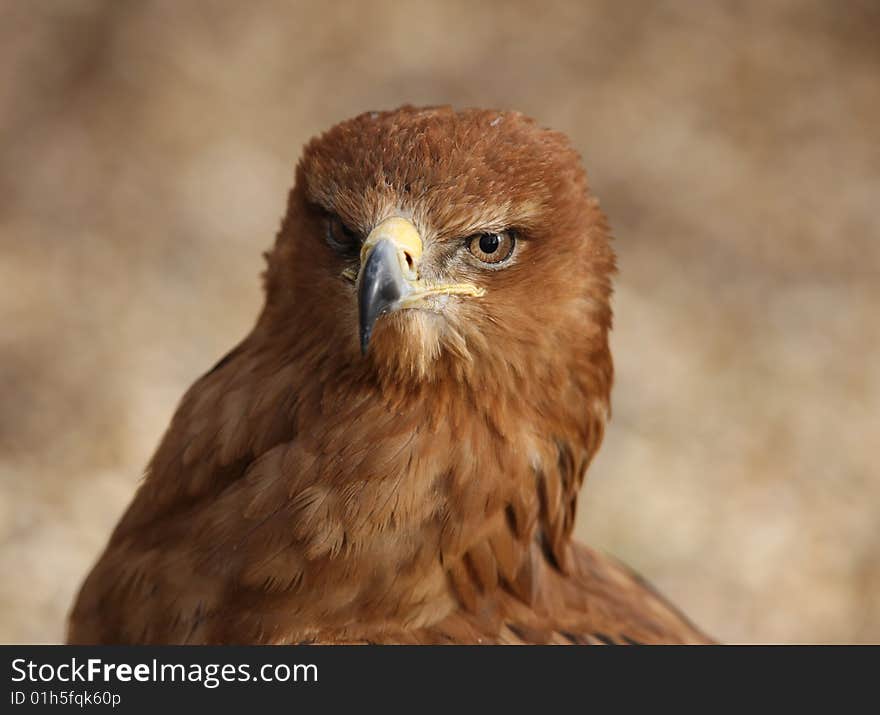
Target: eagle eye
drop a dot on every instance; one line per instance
(492, 248)
(340, 237)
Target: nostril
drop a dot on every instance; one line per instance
(409, 260)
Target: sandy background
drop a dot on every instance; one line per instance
(145, 152)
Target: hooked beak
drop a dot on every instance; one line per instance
(380, 288)
(388, 279)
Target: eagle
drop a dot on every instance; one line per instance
(394, 453)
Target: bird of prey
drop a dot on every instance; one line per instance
(394, 453)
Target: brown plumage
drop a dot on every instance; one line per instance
(425, 490)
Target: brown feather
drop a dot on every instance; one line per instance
(425, 492)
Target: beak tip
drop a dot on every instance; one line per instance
(366, 334)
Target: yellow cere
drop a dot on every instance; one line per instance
(400, 232)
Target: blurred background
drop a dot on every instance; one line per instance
(145, 154)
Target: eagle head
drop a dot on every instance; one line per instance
(423, 245)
